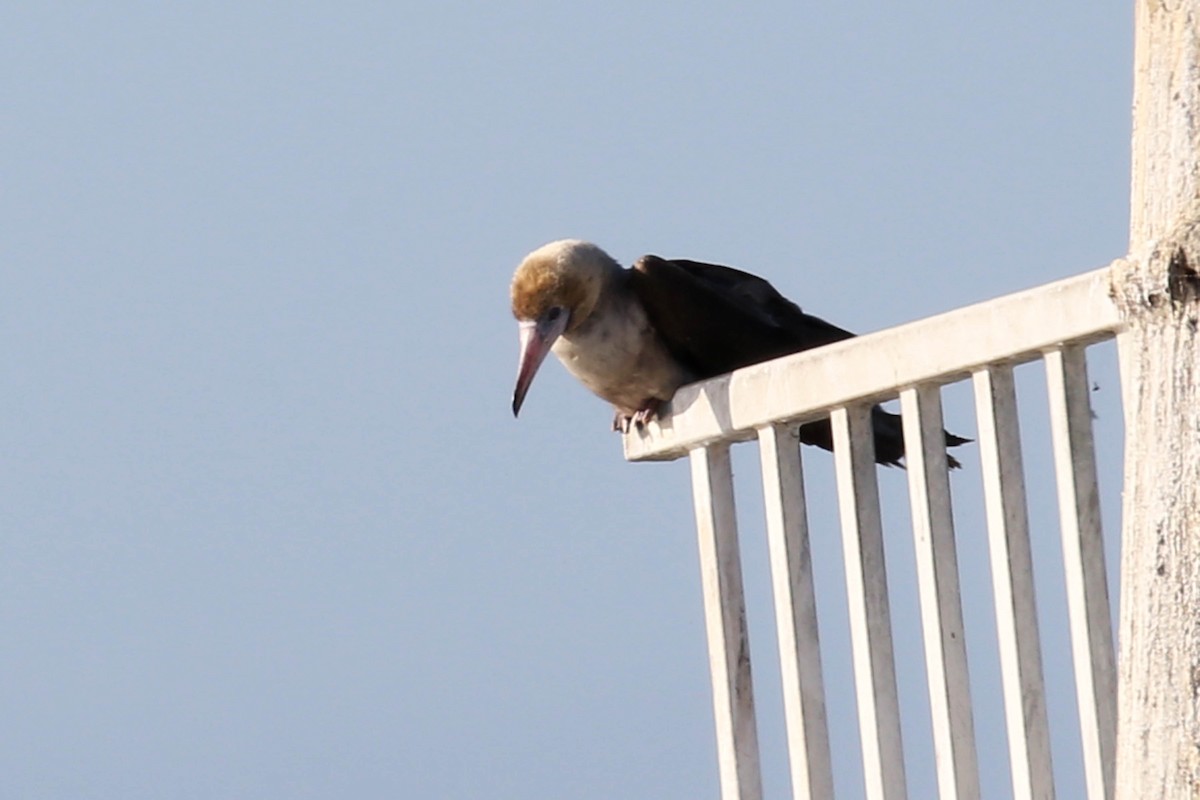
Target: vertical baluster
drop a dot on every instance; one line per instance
(725, 621)
(795, 614)
(1012, 584)
(941, 605)
(1083, 563)
(870, 620)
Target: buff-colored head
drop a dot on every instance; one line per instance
(553, 291)
(568, 273)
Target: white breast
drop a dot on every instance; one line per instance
(618, 355)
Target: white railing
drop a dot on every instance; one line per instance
(1054, 323)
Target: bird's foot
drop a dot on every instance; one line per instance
(647, 412)
(623, 423)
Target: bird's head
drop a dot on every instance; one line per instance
(554, 290)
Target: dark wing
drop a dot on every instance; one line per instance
(716, 319)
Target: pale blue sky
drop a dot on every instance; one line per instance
(268, 527)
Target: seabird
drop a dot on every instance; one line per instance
(634, 336)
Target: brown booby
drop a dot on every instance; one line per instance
(634, 336)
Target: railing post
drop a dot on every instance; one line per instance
(1158, 291)
(1083, 564)
(941, 606)
(795, 614)
(725, 621)
(870, 617)
(1012, 584)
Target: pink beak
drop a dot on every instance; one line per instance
(536, 340)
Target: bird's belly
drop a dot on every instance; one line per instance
(626, 371)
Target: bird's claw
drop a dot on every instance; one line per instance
(623, 423)
(644, 415)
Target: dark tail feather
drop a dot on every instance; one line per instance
(889, 438)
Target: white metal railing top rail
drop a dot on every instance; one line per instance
(939, 349)
(1054, 322)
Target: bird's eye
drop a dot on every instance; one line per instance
(554, 313)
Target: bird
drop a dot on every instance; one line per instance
(634, 336)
